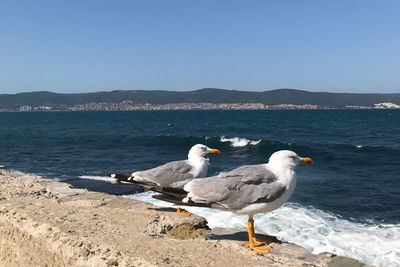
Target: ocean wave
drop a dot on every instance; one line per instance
(272, 144)
(98, 178)
(316, 230)
(361, 148)
(239, 142)
(267, 144)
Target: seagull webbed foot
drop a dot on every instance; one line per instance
(256, 243)
(258, 247)
(183, 212)
(261, 250)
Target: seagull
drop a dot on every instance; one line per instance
(248, 190)
(174, 175)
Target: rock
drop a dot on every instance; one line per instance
(283, 254)
(47, 222)
(340, 261)
(222, 233)
(85, 252)
(112, 262)
(179, 227)
(157, 227)
(188, 231)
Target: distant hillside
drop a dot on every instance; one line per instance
(207, 95)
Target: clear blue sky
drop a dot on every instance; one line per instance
(85, 46)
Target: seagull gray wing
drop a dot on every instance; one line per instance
(238, 188)
(171, 174)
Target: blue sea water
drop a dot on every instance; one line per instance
(351, 193)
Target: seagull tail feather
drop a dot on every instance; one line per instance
(119, 176)
(124, 179)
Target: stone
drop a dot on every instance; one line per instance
(340, 261)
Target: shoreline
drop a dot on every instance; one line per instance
(45, 222)
(130, 106)
(161, 110)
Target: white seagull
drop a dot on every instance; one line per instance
(249, 190)
(172, 175)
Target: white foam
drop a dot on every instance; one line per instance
(239, 142)
(98, 178)
(316, 230)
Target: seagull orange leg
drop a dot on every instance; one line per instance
(256, 242)
(256, 245)
(183, 212)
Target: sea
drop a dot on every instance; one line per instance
(347, 202)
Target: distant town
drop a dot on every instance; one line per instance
(130, 105)
(201, 99)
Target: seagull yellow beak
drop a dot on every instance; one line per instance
(306, 161)
(214, 151)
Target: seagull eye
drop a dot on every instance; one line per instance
(203, 148)
(292, 157)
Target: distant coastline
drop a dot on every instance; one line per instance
(130, 106)
(202, 99)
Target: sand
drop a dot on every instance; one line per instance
(49, 223)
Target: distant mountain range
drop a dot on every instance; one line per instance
(206, 95)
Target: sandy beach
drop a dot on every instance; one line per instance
(49, 223)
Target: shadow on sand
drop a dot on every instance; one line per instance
(220, 233)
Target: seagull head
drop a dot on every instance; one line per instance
(287, 159)
(199, 151)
